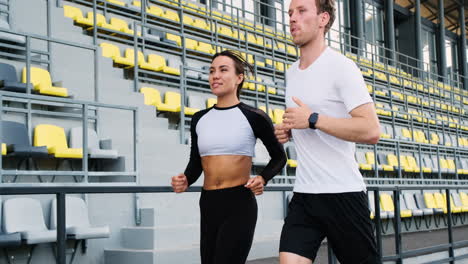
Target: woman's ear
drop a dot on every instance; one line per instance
(240, 78)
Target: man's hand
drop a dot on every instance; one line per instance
(297, 117)
(256, 184)
(282, 134)
(179, 183)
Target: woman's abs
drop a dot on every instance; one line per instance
(225, 171)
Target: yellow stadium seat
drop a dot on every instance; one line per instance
(211, 102)
(270, 111)
(278, 115)
(155, 11)
(175, 38)
(430, 201)
(414, 165)
(225, 31)
(113, 52)
(153, 97)
(291, 50)
(129, 59)
(42, 82)
(441, 202)
(238, 35)
(279, 66)
(4, 149)
(205, 47)
(191, 44)
(89, 20)
(370, 158)
(386, 202)
(187, 20)
(201, 23)
(280, 46)
(122, 26)
(251, 38)
(53, 137)
(158, 63)
(171, 15)
(72, 12)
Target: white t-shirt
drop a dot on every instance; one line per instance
(332, 85)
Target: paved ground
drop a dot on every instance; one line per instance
(410, 241)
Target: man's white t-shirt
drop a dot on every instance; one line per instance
(333, 86)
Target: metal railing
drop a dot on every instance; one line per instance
(399, 255)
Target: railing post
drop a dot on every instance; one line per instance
(61, 235)
(449, 225)
(378, 227)
(396, 198)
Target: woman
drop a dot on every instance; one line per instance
(223, 142)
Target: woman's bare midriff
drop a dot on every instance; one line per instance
(226, 171)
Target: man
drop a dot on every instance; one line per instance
(328, 109)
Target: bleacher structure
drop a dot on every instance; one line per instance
(124, 77)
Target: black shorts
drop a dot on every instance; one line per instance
(343, 218)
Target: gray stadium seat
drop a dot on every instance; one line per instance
(407, 199)
(9, 36)
(77, 220)
(77, 224)
(15, 135)
(24, 215)
(419, 197)
(98, 149)
(197, 102)
(9, 80)
(8, 240)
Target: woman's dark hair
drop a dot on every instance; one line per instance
(240, 64)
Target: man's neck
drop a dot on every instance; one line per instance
(311, 51)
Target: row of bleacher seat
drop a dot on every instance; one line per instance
(51, 140)
(116, 25)
(23, 222)
(389, 162)
(419, 206)
(433, 137)
(197, 10)
(172, 103)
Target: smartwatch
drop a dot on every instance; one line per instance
(313, 120)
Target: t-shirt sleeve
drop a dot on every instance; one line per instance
(194, 167)
(263, 129)
(351, 86)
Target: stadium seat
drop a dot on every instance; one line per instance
(270, 111)
(206, 48)
(174, 38)
(426, 201)
(9, 37)
(42, 82)
(171, 15)
(210, 102)
(441, 202)
(24, 215)
(9, 80)
(278, 115)
(383, 214)
(153, 97)
(8, 240)
(414, 165)
(158, 63)
(97, 148)
(117, 2)
(122, 26)
(4, 149)
(17, 143)
(201, 23)
(191, 44)
(362, 162)
(53, 137)
(226, 31)
(386, 202)
(370, 159)
(77, 220)
(410, 203)
(187, 20)
(456, 200)
(155, 11)
(196, 102)
(113, 52)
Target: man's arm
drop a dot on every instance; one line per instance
(362, 127)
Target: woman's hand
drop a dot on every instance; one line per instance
(179, 183)
(256, 185)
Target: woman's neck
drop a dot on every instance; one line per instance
(227, 101)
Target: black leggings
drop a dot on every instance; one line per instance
(228, 218)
